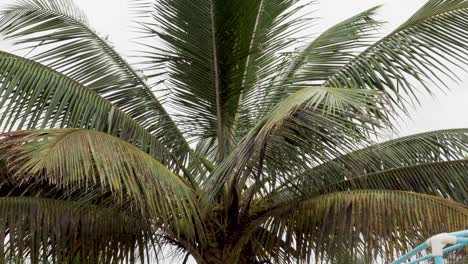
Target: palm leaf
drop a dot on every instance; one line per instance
(214, 51)
(363, 223)
(333, 48)
(272, 34)
(321, 58)
(424, 148)
(194, 54)
(34, 96)
(335, 128)
(43, 230)
(419, 50)
(57, 34)
(71, 158)
(448, 179)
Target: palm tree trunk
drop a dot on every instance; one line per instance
(216, 256)
(213, 256)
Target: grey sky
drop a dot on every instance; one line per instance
(111, 17)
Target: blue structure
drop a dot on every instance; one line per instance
(437, 244)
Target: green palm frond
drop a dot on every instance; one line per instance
(43, 230)
(448, 179)
(73, 158)
(266, 55)
(333, 48)
(57, 34)
(34, 96)
(195, 57)
(325, 55)
(424, 148)
(227, 49)
(366, 223)
(419, 51)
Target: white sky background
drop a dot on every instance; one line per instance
(111, 17)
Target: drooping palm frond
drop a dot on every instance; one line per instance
(448, 179)
(71, 158)
(43, 230)
(424, 148)
(366, 223)
(57, 34)
(419, 51)
(34, 96)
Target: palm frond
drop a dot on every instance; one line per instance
(419, 51)
(73, 158)
(54, 231)
(423, 148)
(213, 52)
(333, 48)
(34, 96)
(362, 223)
(57, 34)
(321, 58)
(275, 31)
(447, 179)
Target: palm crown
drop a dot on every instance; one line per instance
(232, 146)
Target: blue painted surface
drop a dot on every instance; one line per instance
(460, 233)
(438, 260)
(462, 240)
(413, 252)
(446, 250)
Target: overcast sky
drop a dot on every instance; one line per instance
(111, 17)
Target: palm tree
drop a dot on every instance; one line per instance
(240, 141)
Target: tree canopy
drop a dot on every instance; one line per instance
(240, 140)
